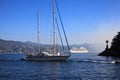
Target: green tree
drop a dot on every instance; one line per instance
(116, 43)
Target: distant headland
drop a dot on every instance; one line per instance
(114, 50)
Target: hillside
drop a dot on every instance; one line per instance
(114, 50)
(16, 46)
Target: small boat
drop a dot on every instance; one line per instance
(54, 54)
(116, 61)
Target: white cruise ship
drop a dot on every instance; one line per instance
(79, 50)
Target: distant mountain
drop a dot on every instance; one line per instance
(31, 43)
(21, 47)
(16, 46)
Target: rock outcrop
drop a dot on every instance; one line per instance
(114, 50)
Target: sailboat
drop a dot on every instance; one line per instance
(54, 54)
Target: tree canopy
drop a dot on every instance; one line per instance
(114, 50)
(115, 45)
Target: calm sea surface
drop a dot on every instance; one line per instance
(78, 67)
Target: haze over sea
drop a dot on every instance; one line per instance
(87, 66)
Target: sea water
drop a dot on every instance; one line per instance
(86, 66)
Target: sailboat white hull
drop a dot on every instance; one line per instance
(47, 58)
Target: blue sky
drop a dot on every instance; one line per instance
(85, 21)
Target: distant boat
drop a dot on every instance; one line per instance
(53, 54)
(79, 50)
(116, 61)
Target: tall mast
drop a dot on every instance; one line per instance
(62, 26)
(54, 47)
(38, 32)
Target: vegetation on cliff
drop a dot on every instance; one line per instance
(114, 50)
